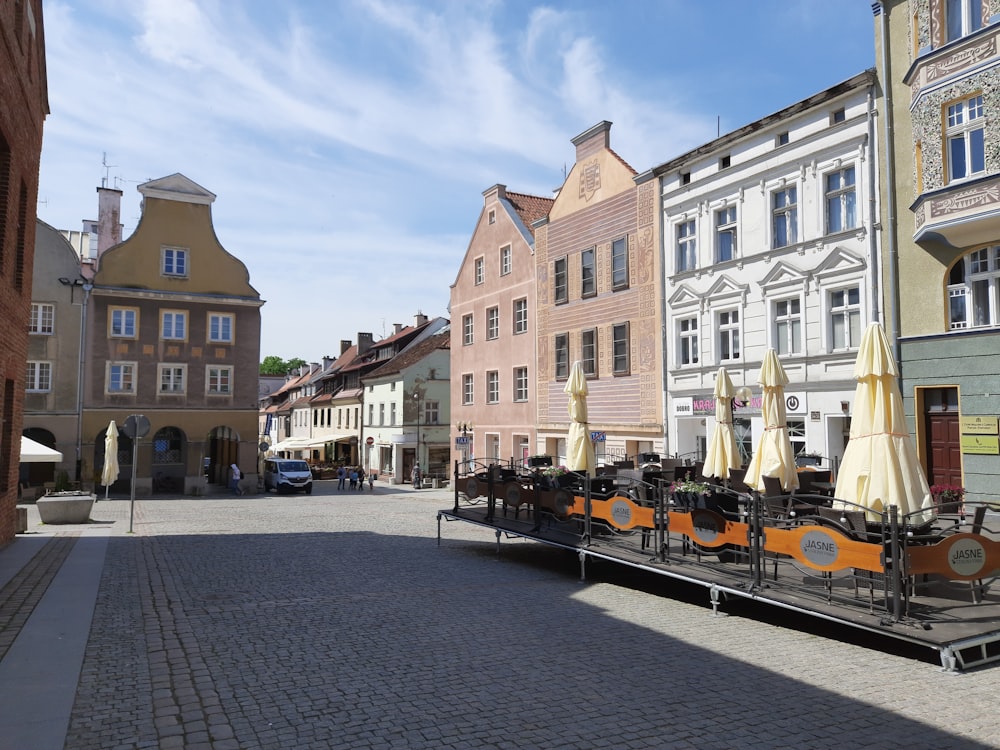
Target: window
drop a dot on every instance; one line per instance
(561, 347)
(845, 318)
(840, 201)
(837, 116)
(42, 318)
(797, 435)
(371, 414)
(588, 273)
(725, 161)
(685, 178)
(619, 349)
(965, 134)
(962, 17)
(392, 413)
(381, 414)
(492, 216)
(686, 246)
(619, 264)
(175, 261)
(787, 326)
(468, 390)
(728, 325)
(39, 378)
(467, 329)
(505, 261)
(480, 271)
(725, 234)
(121, 377)
(432, 411)
(220, 380)
(123, 322)
(173, 325)
(687, 341)
(974, 290)
(781, 139)
(521, 315)
(520, 383)
(492, 322)
(560, 288)
(172, 378)
(588, 351)
(492, 387)
(220, 328)
(784, 217)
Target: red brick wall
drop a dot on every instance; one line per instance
(25, 105)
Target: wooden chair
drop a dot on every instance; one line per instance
(772, 487)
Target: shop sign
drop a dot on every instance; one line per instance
(985, 445)
(979, 425)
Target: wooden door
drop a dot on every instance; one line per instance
(943, 433)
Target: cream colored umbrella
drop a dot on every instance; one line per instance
(774, 456)
(880, 466)
(579, 447)
(723, 453)
(110, 471)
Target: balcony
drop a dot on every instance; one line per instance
(962, 215)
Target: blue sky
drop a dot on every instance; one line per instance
(349, 141)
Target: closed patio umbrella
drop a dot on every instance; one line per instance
(110, 471)
(579, 447)
(723, 453)
(880, 466)
(773, 457)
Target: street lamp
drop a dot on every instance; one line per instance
(87, 286)
(465, 428)
(416, 400)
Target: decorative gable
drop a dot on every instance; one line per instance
(177, 187)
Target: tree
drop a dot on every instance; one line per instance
(295, 363)
(273, 365)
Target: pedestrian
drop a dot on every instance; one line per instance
(361, 478)
(354, 478)
(234, 482)
(416, 476)
(371, 481)
(341, 476)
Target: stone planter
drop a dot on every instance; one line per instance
(65, 507)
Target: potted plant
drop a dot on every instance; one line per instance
(689, 493)
(947, 497)
(558, 476)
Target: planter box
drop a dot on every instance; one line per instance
(65, 507)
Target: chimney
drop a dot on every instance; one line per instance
(345, 344)
(589, 142)
(364, 343)
(109, 224)
(396, 328)
(327, 362)
(421, 319)
(313, 367)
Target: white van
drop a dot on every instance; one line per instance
(287, 475)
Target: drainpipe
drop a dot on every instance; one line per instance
(873, 258)
(892, 286)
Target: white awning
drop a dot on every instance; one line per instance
(33, 452)
(290, 444)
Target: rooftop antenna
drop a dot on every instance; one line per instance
(107, 168)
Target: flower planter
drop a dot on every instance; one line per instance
(65, 507)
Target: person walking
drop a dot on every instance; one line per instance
(416, 477)
(341, 476)
(234, 481)
(371, 481)
(354, 478)
(361, 478)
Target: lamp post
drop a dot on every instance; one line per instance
(465, 428)
(87, 287)
(416, 452)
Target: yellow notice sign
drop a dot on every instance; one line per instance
(988, 445)
(979, 426)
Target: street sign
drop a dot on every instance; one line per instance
(136, 426)
(598, 437)
(263, 446)
(370, 441)
(462, 440)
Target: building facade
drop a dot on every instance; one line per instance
(939, 65)
(598, 283)
(493, 306)
(173, 335)
(768, 243)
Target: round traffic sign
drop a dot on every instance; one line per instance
(263, 446)
(370, 441)
(136, 426)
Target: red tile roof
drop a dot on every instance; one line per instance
(530, 208)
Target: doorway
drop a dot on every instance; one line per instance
(943, 436)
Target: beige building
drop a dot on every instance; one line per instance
(173, 335)
(598, 300)
(494, 321)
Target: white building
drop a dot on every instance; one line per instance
(768, 242)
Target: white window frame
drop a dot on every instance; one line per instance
(725, 226)
(686, 246)
(173, 325)
(506, 260)
(786, 326)
(43, 319)
(962, 17)
(841, 204)
(479, 266)
(688, 346)
(123, 322)
(520, 380)
(219, 380)
(492, 387)
(39, 377)
(174, 262)
(520, 314)
(975, 302)
(221, 327)
(171, 378)
(468, 329)
(784, 214)
(492, 323)
(468, 389)
(847, 313)
(728, 325)
(125, 373)
(965, 134)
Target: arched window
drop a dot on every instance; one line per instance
(167, 445)
(974, 290)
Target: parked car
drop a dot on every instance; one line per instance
(287, 475)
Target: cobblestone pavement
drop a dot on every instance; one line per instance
(336, 621)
